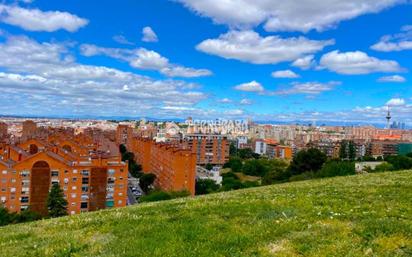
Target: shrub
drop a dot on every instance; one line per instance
(303, 176)
(383, 167)
(336, 168)
(206, 186)
(400, 162)
(155, 196)
(254, 167)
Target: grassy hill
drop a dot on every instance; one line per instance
(365, 215)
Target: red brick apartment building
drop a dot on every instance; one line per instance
(173, 165)
(89, 170)
(213, 149)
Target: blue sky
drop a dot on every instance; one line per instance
(323, 60)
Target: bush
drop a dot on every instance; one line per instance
(383, 167)
(155, 196)
(301, 177)
(146, 181)
(206, 186)
(13, 218)
(276, 176)
(336, 168)
(235, 164)
(400, 162)
(254, 168)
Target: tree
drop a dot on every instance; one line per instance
(400, 162)
(232, 149)
(343, 154)
(246, 153)
(235, 163)
(254, 167)
(209, 166)
(206, 186)
(335, 168)
(146, 181)
(310, 160)
(122, 149)
(135, 169)
(56, 203)
(5, 217)
(351, 151)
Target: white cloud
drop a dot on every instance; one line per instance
(225, 101)
(308, 88)
(145, 59)
(396, 102)
(249, 46)
(354, 63)
(149, 35)
(33, 70)
(252, 86)
(37, 20)
(291, 15)
(246, 101)
(185, 72)
(122, 40)
(305, 63)
(284, 74)
(235, 112)
(398, 42)
(394, 78)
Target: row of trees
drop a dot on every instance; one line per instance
(135, 169)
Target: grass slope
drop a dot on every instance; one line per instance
(365, 215)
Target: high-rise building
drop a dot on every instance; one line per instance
(29, 129)
(89, 171)
(209, 149)
(173, 165)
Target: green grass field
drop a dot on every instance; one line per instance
(364, 215)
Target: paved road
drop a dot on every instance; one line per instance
(133, 183)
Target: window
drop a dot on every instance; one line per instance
(120, 202)
(74, 171)
(55, 183)
(85, 189)
(13, 180)
(83, 205)
(74, 187)
(25, 173)
(111, 172)
(55, 173)
(85, 172)
(3, 180)
(74, 180)
(24, 199)
(85, 180)
(74, 195)
(4, 172)
(13, 189)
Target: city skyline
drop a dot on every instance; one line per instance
(333, 62)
